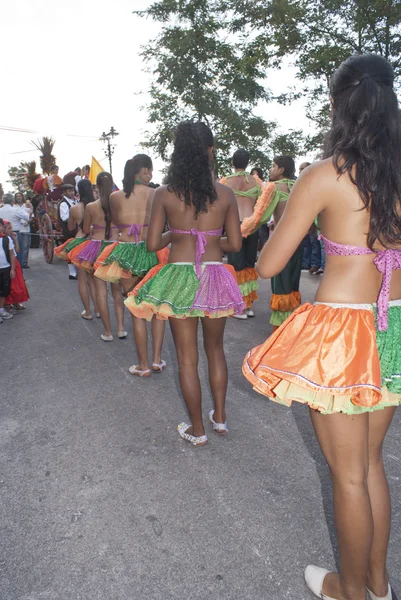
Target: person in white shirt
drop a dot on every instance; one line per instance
(25, 230)
(77, 178)
(66, 203)
(14, 214)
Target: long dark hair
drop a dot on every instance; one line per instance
(85, 191)
(104, 182)
(365, 140)
(288, 164)
(190, 175)
(131, 170)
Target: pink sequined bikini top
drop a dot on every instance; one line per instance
(201, 243)
(100, 227)
(134, 229)
(386, 261)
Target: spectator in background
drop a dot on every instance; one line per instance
(78, 177)
(7, 270)
(25, 230)
(14, 214)
(86, 172)
(312, 257)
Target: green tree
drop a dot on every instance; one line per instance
(1, 191)
(18, 175)
(199, 72)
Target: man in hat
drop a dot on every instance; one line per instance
(66, 203)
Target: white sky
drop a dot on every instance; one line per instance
(72, 68)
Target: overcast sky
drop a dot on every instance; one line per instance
(72, 68)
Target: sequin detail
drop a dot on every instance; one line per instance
(386, 261)
(201, 243)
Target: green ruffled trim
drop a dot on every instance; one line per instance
(248, 287)
(278, 317)
(175, 285)
(389, 348)
(73, 244)
(136, 259)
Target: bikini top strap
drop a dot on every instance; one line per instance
(134, 229)
(336, 249)
(201, 243)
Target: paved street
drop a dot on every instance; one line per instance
(101, 500)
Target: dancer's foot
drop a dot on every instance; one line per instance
(187, 433)
(249, 312)
(136, 370)
(106, 338)
(242, 316)
(158, 367)
(86, 315)
(218, 427)
(122, 335)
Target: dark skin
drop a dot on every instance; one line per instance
(222, 213)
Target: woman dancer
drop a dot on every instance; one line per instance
(194, 283)
(341, 356)
(103, 234)
(86, 285)
(128, 260)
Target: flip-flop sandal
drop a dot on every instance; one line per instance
(135, 370)
(97, 315)
(200, 440)
(85, 316)
(122, 335)
(158, 368)
(220, 428)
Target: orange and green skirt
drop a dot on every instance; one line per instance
(124, 260)
(332, 358)
(64, 249)
(84, 256)
(286, 296)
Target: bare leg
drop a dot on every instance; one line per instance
(213, 334)
(158, 328)
(185, 334)
(344, 442)
(379, 493)
(118, 305)
(101, 295)
(92, 291)
(140, 329)
(84, 291)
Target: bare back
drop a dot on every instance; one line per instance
(342, 219)
(75, 219)
(96, 223)
(223, 213)
(239, 183)
(135, 209)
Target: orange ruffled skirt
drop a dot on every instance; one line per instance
(324, 357)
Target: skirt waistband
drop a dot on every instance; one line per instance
(209, 262)
(357, 306)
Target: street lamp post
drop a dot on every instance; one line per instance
(107, 138)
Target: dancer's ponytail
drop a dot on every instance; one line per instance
(104, 182)
(85, 191)
(132, 169)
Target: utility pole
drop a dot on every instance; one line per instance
(107, 139)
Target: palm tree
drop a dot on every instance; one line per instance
(31, 175)
(47, 160)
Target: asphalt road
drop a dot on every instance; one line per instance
(101, 500)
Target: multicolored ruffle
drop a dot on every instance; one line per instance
(173, 290)
(124, 260)
(63, 250)
(247, 280)
(85, 255)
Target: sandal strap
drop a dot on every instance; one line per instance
(162, 365)
(217, 426)
(194, 440)
(135, 370)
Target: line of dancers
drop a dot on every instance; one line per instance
(339, 356)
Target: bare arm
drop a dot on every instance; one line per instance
(306, 201)
(233, 240)
(12, 264)
(157, 240)
(74, 217)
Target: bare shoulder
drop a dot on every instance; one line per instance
(224, 192)
(116, 196)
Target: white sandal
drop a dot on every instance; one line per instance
(85, 316)
(220, 428)
(158, 368)
(135, 370)
(314, 577)
(107, 338)
(389, 595)
(122, 335)
(200, 440)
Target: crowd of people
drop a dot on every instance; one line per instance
(162, 252)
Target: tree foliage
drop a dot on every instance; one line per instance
(23, 176)
(199, 73)
(210, 59)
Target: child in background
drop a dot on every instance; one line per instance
(18, 291)
(7, 270)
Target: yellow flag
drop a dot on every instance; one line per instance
(96, 168)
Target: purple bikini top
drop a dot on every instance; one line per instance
(386, 262)
(100, 227)
(134, 229)
(201, 243)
